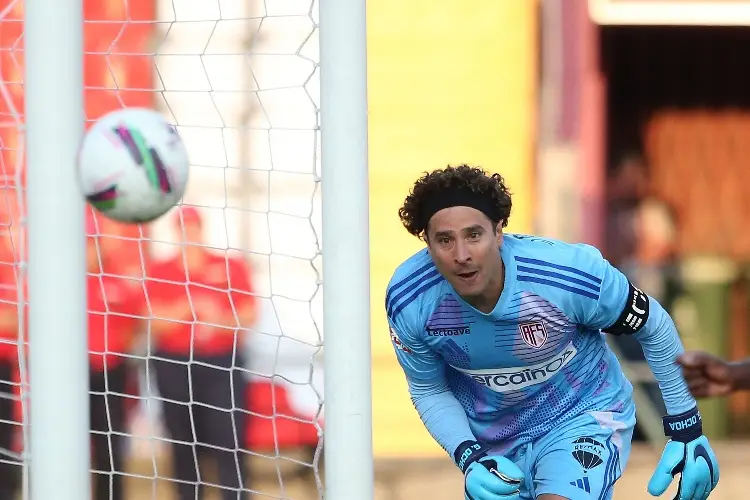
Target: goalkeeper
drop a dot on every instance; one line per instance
(500, 337)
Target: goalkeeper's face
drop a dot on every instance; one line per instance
(464, 245)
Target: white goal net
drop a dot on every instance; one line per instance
(240, 80)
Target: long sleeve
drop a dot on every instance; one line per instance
(661, 345)
(439, 410)
(445, 419)
(622, 309)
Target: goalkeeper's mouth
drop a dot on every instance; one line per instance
(468, 276)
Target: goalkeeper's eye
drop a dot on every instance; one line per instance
(475, 235)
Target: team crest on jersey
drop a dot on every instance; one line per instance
(534, 333)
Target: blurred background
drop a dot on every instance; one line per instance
(620, 123)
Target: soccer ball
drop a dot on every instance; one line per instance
(132, 165)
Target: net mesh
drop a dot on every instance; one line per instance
(239, 79)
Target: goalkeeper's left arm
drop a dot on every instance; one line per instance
(688, 451)
(622, 309)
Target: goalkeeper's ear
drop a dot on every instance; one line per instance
(498, 228)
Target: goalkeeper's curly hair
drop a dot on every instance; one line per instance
(492, 186)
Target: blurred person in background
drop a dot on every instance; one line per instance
(710, 376)
(656, 234)
(641, 230)
(627, 187)
(112, 322)
(10, 469)
(200, 302)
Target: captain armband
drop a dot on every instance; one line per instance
(634, 315)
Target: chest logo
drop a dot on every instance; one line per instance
(448, 332)
(534, 333)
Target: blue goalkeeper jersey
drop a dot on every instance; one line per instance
(538, 359)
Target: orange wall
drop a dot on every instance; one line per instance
(449, 82)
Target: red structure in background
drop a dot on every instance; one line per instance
(118, 72)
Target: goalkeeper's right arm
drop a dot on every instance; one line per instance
(440, 411)
(485, 476)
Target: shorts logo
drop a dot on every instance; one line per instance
(588, 452)
(533, 333)
(582, 483)
(520, 377)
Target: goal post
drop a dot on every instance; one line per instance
(57, 446)
(58, 357)
(346, 249)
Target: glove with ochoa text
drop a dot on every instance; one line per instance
(687, 453)
(487, 477)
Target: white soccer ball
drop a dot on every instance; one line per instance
(132, 165)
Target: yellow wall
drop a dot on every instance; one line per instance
(451, 81)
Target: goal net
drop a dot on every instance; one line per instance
(240, 80)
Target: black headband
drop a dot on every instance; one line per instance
(457, 197)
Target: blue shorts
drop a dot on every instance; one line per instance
(580, 460)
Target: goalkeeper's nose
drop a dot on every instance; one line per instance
(461, 253)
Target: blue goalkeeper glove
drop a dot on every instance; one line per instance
(487, 477)
(687, 453)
